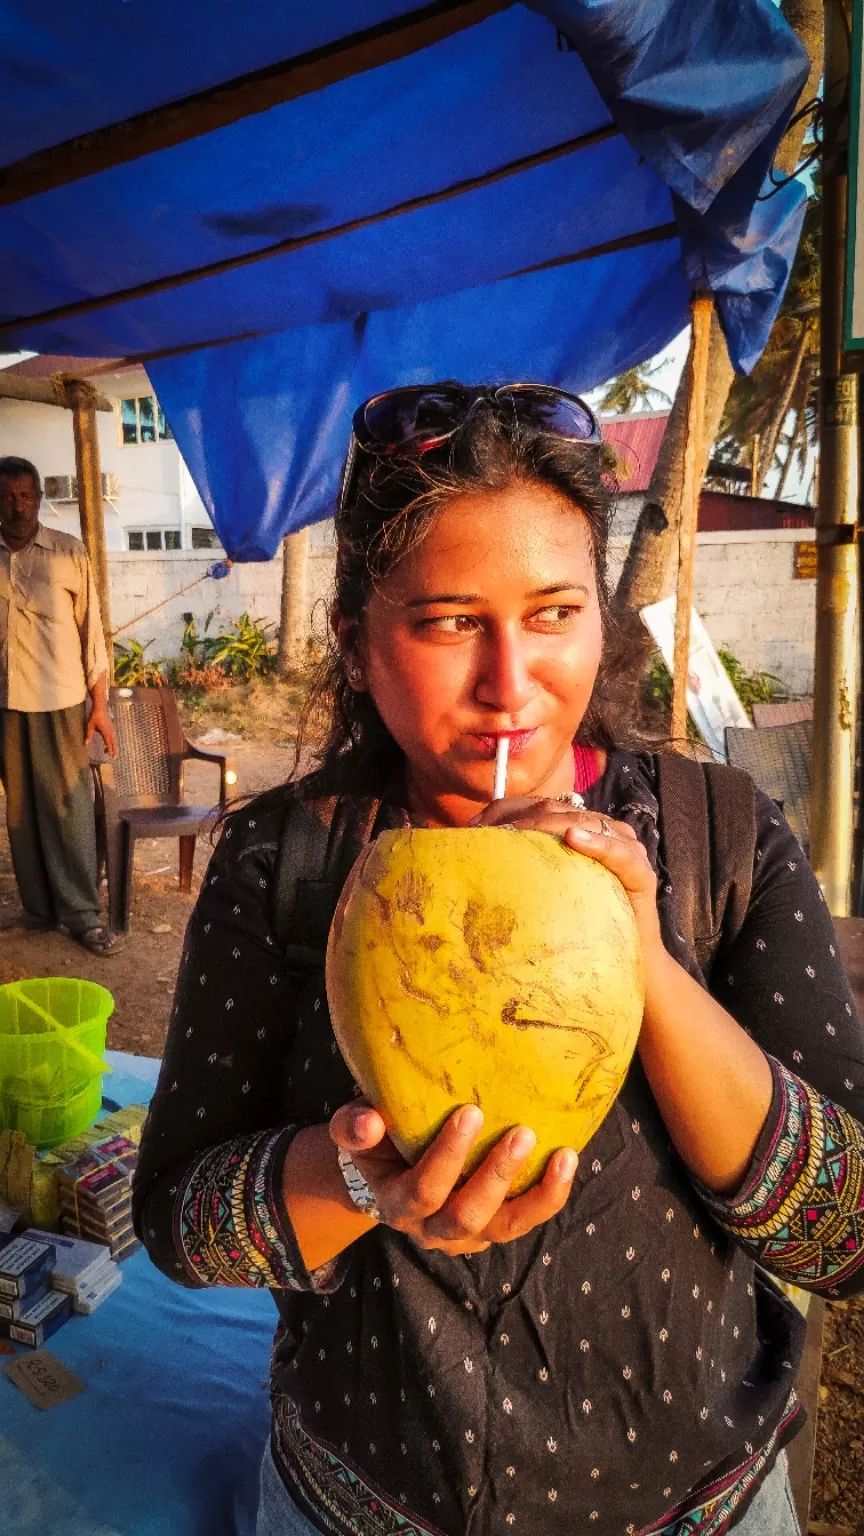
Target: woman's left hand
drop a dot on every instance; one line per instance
(612, 843)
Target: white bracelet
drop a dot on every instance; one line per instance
(358, 1189)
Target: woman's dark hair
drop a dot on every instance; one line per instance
(395, 503)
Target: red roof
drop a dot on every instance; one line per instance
(721, 513)
(636, 440)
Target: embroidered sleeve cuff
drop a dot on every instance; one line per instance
(230, 1224)
(800, 1207)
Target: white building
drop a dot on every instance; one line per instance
(151, 503)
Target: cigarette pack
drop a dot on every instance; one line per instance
(116, 1243)
(78, 1264)
(92, 1296)
(128, 1121)
(11, 1310)
(100, 1190)
(43, 1319)
(70, 1149)
(24, 1265)
(119, 1150)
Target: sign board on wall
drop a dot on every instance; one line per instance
(853, 326)
(804, 568)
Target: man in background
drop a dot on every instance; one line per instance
(52, 657)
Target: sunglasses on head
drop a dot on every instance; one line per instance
(412, 421)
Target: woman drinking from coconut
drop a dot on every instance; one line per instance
(598, 1352)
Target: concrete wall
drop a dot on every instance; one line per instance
(140, 581)
(745, 592)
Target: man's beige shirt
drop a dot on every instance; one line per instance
(52, 648)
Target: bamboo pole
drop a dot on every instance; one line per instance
(835, 663)
(701, 310)
(81, 399)
(294, 619)
(754, 466)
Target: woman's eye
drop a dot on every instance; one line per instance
(559, 616)
(451, 624)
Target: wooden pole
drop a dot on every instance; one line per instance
(294, 619)
(701, 309)
(754, 466)
(81, 399)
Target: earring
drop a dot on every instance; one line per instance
(354, 675)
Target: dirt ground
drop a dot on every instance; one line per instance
(837, 1506)
(141, 980)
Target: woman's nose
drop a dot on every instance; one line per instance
(505, 682)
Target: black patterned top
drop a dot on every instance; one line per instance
(623, 1368)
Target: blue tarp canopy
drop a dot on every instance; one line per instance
(281, 209)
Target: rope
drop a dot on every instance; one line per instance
(218, 571)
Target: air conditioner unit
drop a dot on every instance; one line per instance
(61, 488)
(65, 487)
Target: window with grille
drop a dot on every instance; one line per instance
(153, 538)
(205, 538)
(142, 420)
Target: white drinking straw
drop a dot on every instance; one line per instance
(501, 754)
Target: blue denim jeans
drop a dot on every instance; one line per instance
(772, 1512)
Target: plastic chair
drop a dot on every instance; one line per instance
(140, 793)
(787, 712)
(777, 757)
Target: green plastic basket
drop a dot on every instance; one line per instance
(52, 1045)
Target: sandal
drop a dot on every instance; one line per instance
(99, 941)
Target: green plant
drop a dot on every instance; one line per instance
(751, 687)
(132, 669)
(243, 651)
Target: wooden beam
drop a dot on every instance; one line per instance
(701, 309)
(173, 280)
(81, 401)
(42, 392)
(218, 107)
(655, 236)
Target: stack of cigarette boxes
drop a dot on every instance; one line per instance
(29, 1310)
(85, 1271)
(95, 1194)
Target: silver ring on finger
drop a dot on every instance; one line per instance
(572, 799)
(605, 827)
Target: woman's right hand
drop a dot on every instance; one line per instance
(428, 1203)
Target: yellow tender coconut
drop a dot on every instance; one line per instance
(487, 966)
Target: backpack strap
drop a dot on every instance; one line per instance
(318, 843)
(708, 845)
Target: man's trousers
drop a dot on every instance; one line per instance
(49, 815)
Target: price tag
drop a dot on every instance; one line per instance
(43, 1379)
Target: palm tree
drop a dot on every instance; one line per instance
(632, 390)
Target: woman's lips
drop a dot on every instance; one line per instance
(519, 740)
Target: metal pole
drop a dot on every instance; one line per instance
(835, 665)
(701, 309)
(81, 399)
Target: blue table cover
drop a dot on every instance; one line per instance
(167, 1437)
